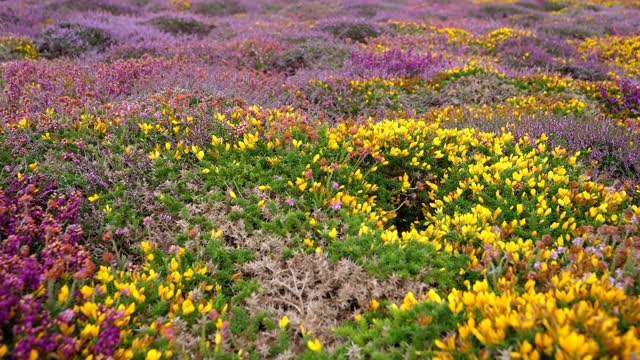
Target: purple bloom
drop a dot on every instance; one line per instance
(537, 265)
(578, 242)
(147, 221)
(335, 185)
(66, 316)
(337, 205)
(290, 202)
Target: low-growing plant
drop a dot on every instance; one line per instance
(500, 11)
(72, 40)
(180, 26)
(477, 89)
(311, 55)
(217, 7)
(16, 49)
(354, 31)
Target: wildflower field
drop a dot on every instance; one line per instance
(377, 179)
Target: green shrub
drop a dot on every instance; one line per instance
(218, 8)
(69, 39)
(358, 32)
(180, 26)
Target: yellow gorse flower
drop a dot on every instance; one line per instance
(153, 354)
(314, 345)
(283, 322)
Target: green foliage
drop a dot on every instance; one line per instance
(358, 32)
(72, 40)
(180, 26)
(393, 333)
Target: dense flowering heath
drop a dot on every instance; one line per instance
(360, 179)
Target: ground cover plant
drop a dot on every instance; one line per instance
(308, 179)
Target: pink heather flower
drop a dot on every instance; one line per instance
(290, 202)
(335, 185)
(66, 316)
(336, 205)
(147, 221)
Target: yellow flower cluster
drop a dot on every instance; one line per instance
(461, 36)
(127, 294)
(20, 46)
(526, 208)
(618, 51)
(454, 35)
(578, 317)
(500, 35)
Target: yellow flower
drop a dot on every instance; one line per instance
(232, 194)
(284, 322)
(90, 310)
(33, 355)
(146, 246)
(200, 155)
(314, 345)
(303, 331)
(23, 123)
(3, 350)
(90, 331)
(153, 354)
(65, 329)
(94, 198)
(187, 307)
(107, 209)
(86, 291)
(33, 166)
(218, 341)
(408, 302)
(63, 295)
(374, 305)
(188, 275)
(333, 233)
(154, 155)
